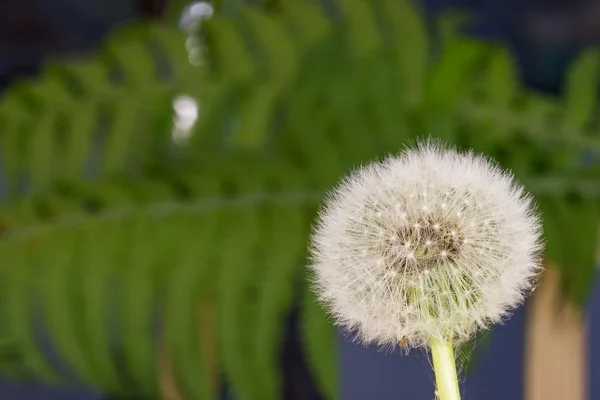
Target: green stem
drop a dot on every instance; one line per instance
(444, 365)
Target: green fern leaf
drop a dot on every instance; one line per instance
(362, 34)
(319, 345)
(408, 34)
(287, 246)
(20, 284)
(187, 283)
(579, 247)
(62, 306)
(581, 91)
(139, 302)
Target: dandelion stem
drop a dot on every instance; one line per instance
(444, 365)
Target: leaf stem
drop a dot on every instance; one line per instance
(444, 365)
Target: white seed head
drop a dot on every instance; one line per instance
(460, 266)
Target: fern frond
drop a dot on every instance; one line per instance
(320, 345)
(97, 117)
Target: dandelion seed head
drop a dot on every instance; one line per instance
(447, 272)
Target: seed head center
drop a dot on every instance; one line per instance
(423, 244)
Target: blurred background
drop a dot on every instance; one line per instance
(544, 36)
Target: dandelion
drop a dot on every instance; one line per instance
(424, 249)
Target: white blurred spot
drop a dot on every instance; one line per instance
(194, 14)
(191, 43)
(195, 56)
(186, 113)
(190, 21)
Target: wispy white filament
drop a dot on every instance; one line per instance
(429, 243)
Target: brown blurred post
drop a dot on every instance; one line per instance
(207, 343)
(555, 345)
